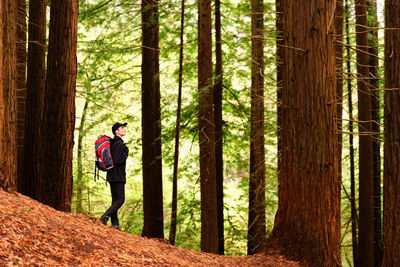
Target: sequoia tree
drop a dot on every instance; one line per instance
(278, 24)
(35, 88)
(339, 75)
(339, 88)
(209, 225)
(256, 223)
(391, 205)
(307, 220)
(366, 230)
(151, 123)
(219, 166)
(375, 117)
(21, 85)
(8, 89)
(54, 186)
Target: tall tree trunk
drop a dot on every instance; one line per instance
(307, 220)
(8, 90)
(55, 182)
(339, 76)
(256, 223)
(172, 232)
(79, 176)
(35, 84)
(391, 203)
(351, 143)
(209, 219)
(219, 165)
(375, 111)
(279, 43)
(21, 87)
(366, 230)
(151, 123)
(339, 91)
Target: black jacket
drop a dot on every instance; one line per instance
(119, 153)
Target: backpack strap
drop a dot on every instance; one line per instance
(96, 173)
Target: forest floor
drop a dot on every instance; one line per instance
(37, 235)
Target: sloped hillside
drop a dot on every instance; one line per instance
(35, 234)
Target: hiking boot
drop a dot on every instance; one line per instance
(116, 227)
(102, 220)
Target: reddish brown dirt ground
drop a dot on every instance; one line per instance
(36, 235)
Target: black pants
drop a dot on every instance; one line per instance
(118, 199)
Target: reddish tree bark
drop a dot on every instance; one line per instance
(21, 86)
(35, 88)
(151, 123)
(256, 223)
(219, 162)
(307, 221)
(375, 116)
(279, 43)
(366, 230)
(339, 90)
(339, 76)
(209, 219)
(54, 187)
(8, 89)
(391, 203)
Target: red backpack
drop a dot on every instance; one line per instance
(104, 160)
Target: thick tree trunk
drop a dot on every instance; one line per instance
(307, 221)
(8, 90)
(209, 219)
(339, 76)
(36, 80)
(279, 42)
(219, 163)
(376, 147)
(339, 90)
(351, 143)
(172, 232)
(21, 87)
(391, 204)
(366, 230)
(55, 182)
(256, 223)
(151, 123)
